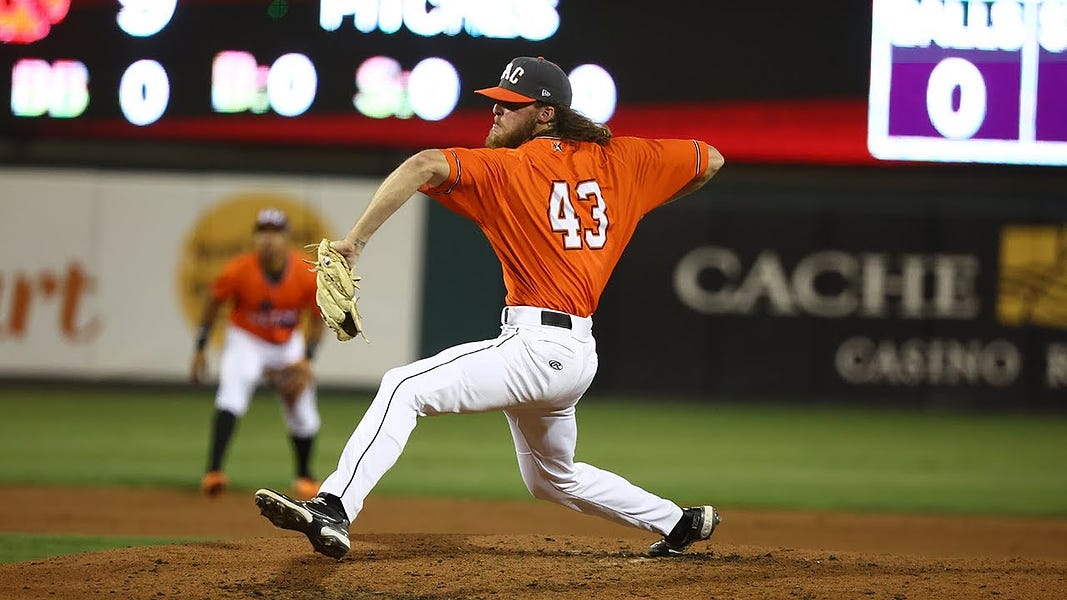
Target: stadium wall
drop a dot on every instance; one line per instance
(919, 285)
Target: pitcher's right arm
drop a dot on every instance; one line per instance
(428, 166)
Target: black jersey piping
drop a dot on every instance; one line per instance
(393, 395)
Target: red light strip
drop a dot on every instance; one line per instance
(829, 132)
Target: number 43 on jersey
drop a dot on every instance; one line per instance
(564, 219)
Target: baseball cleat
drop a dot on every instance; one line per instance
(697, 524)
(213, 483)
(323, 525)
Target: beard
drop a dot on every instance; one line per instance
(522, 133)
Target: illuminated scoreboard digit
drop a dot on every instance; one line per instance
(59, 89)
(969, 81)
(144, 90)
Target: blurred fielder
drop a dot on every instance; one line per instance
(558, 199)
(270, 288)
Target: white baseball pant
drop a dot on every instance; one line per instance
(244, 359)
(536, 374)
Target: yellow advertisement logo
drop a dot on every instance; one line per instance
(1033, 276)
(223, 232)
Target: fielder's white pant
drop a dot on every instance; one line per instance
(536, 374)
(244, 359)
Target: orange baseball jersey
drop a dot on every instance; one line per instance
(269, 310)
(559, 214)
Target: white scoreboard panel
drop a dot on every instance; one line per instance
(969, 81)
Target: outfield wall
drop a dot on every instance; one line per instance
(922, 285)
(103, 274)
(890, 285)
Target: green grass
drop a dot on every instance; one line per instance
(17, 547)
(733, 455)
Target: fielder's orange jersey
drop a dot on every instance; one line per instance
(267, 309)
(559, 214)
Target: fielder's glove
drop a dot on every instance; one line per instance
(336, 294)
(291, 380)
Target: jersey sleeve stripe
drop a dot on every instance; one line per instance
(459, 172)
(696, 145)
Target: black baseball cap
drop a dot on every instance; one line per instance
(272, 219)
(528, 79)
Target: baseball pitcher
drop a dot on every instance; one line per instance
(558, 199)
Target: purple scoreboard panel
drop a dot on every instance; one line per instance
(969, 81)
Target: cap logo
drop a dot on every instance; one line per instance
(512, 76)
(545, 92)
(271, 217)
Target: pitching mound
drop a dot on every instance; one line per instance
(522, 550)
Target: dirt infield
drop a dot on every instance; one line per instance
(438, 549)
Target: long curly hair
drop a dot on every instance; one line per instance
(572, 125)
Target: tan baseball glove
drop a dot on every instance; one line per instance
(336, 295)
(290, 380)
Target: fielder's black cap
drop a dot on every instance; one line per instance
(528, 79)
(272, 219)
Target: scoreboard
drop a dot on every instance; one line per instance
(969, 81)
(945, 80)
(400, 73)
